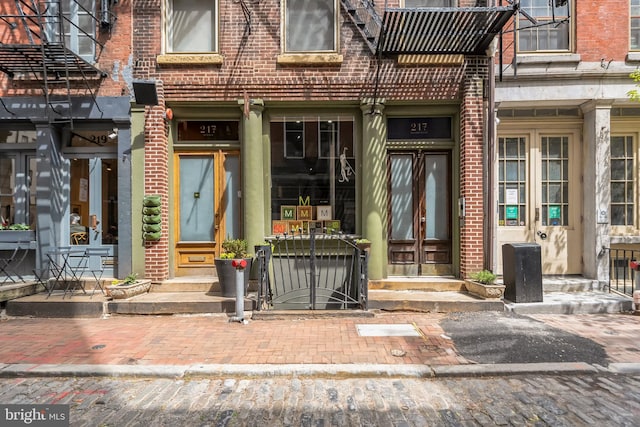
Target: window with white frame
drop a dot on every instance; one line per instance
(192, 26)
(634, 36)
(622, 187)
(512, 181)
(310, 26)
(554, 153)
(549, 29)
(76, 23)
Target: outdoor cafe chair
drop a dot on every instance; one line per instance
(9, 264)
(97, 269)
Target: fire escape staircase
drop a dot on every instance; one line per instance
(434, 30)
(32, 57)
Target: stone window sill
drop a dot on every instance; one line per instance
(190, 59)
(559, 58)
(310, 59)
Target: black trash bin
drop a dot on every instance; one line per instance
(522, 272)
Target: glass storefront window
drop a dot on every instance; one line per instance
(7, 189)
(94, 199)
(312, 162)
(17, 177)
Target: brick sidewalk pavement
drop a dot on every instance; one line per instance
(176, 340)
(184, 340)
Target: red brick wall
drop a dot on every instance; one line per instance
(156, 181)
(600, 30)
(250, 63)
(113, 59)
(471, 175)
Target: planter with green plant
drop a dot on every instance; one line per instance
(232, 249)
(129, 287)
(363, 244)
(16, 233)
(482, 283)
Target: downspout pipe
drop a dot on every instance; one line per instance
(488, 162)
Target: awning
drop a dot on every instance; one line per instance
(467, 31)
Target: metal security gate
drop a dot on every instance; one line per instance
(312, 272)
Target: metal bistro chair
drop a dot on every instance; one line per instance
(97, 270)
(9, 265)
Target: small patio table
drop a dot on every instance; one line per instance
(67, 263)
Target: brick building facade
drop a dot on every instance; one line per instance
(566, 121)
(393, 118)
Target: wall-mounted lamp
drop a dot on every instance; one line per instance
(145, 92)
(113, 134)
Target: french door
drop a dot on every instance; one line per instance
(207, 208)
(539, 197)
(420, 230)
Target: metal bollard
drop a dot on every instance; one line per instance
(240, 265)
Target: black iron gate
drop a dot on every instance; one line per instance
(312, 272)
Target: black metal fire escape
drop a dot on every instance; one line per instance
(433, 30)
(34, 53)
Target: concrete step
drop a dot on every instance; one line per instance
(205, 284)
(423, 283)
(97, 305)
(178, 303)
(566, 284)
(590, 302)
(425, 301)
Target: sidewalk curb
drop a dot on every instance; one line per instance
(311, 370)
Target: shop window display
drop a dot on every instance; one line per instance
(313, 175)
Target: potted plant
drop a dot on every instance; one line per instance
(128, 287)
(232, 249)
(482, 283)
(363, 244)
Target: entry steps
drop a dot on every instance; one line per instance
(561, 295)
(201, 295)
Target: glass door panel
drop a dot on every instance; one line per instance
(437, 214)
(197, 195)
(402, 197)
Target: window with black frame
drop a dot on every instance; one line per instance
(313, 163)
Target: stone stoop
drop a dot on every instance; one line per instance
(426, 294)
(573, 295)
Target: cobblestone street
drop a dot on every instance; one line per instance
(602, 400)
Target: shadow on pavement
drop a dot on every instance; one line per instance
(496, 337)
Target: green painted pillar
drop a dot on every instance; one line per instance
(253, 182)
(374, 186)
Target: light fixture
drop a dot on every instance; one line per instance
(145, 92)
(113, 135)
